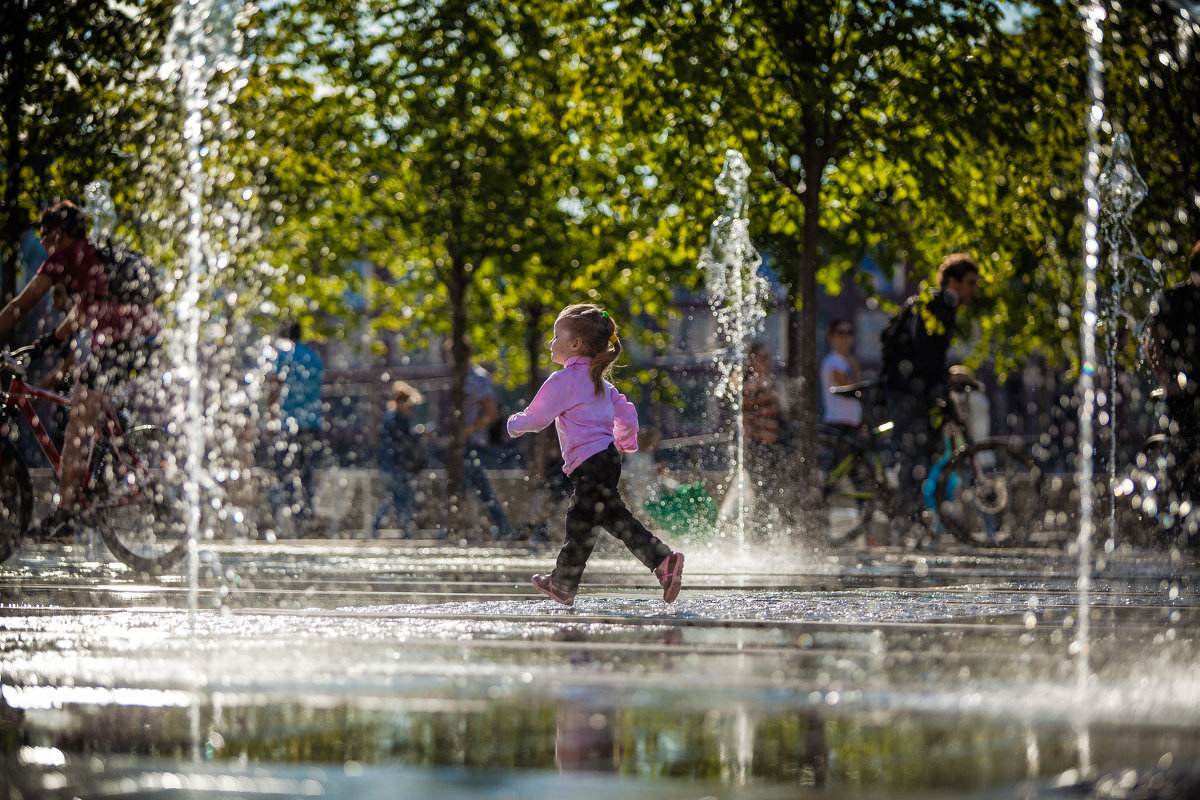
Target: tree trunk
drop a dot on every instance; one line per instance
(806, 411)
(459, 358)
(536, 447)
(802, 378)
(15, 222)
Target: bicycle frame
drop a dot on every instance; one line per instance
(21, 397)
(867, 451)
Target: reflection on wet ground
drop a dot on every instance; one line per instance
(343, 668)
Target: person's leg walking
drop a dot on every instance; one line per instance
(406, 505)
(911, 441)
(475, 478)
(86, 409)
(304, 457)
(388, 499)
(284, 490)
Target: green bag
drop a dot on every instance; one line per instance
(688, 512)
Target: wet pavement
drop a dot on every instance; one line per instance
(360, 669)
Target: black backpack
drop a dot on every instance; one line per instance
(897, 337)
(132, 279)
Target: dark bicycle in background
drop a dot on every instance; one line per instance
(988, 493)
(857, 493)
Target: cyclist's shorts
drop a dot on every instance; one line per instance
(106, 368)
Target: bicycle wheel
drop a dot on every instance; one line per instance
(851, 494)
(16, 499)
(140, 510)
(990, 495)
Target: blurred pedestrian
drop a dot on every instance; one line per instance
(915, 343)
(294, 397)
(481, 411)
(766, 456)
(841, 417)
(401, 457)
(840, 367)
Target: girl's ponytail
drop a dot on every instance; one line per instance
(602, 362)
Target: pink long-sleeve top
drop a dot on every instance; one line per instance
(587, 423)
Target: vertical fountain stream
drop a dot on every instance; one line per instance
(737, 294)
(1093, 21)
(202, 52)
(98, 204)
(1132, 281)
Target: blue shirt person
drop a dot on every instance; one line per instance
(295, 385)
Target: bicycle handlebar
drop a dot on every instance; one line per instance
(15, 361)
(855, 389)
(14, 364)
(945, 402)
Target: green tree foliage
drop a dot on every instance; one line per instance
(487, 189)
(846, 111)
(67, 77)
(1026, 190)
(907, 131)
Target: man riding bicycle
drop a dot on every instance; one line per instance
(124, 334)
(915, 373)
(1173, 353)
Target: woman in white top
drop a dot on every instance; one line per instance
(839, 368)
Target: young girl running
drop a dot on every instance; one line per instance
(594, 422)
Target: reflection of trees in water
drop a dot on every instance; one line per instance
(827, 745)
(435, 732)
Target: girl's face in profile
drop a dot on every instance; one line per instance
(564, 345)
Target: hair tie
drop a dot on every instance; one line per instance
(612, 339)
(604, 314)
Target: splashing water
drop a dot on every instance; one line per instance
(1133, 280)
(737, 293)
(99, 206)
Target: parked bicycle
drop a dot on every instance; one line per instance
(986, 493)
(130, 491)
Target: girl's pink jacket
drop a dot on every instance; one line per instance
(587, 423)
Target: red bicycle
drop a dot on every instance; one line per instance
(131, 488)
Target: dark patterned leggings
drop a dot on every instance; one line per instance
(597, 502)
